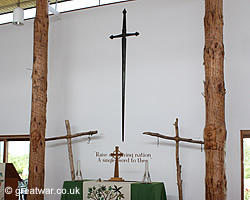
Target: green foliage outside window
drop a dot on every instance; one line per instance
(247, 160)
(21, 163)
(246, 194)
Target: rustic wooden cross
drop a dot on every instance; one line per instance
(177, 139)
(69, 136)
(116, 155)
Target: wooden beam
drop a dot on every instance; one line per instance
(177, 139)
(215, 127)
(27, 137)
(173, 138)
(245, 133)
(39, 100)
(72, 136)
(15, 137)
(69, 136)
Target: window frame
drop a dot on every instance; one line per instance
(77, 9)
(7, 138)
(243, 134)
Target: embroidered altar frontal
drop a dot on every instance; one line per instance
(110, 190)
(106, 190)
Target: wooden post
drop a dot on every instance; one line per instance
(69, 136)
(177, 139)
(178, 166)
(215, 128)
(39, 100)
(71, 160)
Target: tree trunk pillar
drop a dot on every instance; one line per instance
(215, 128)
(39, 100)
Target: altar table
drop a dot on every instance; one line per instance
(139, 191)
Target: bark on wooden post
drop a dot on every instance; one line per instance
(69, 136)
(215, 128)
(71, 160)
(178, 166)
(39, 100)
(177, 139)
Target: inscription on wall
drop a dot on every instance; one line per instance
(102, 157)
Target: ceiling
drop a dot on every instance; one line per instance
(7, 6)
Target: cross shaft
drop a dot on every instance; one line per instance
(177, 139)
(69, 136)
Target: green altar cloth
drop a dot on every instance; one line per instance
(139, 191)
(154, 191)
(68, 190)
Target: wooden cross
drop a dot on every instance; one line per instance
(177, 139)
(117, 155)
(69, 137)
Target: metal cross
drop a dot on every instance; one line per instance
(123, 35)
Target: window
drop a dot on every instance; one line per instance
(18, 154)
(245, 164)
(1, 150)
(15, 149)
(61, 7)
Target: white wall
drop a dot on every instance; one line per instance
(164, 81)
(237, 44)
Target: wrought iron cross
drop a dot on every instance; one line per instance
(124, 36)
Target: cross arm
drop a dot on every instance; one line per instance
(115, 36)
(132, 34)
(173, 138)
(124, 35)
(72, 136)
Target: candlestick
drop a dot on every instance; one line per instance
(78, 172)
(146, 177)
